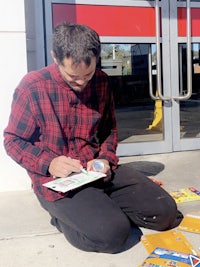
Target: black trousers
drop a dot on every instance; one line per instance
(99, 217)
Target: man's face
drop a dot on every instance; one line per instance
(77, 76)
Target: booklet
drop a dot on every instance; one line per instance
(73, 181)
(185, 194)
(162, 257)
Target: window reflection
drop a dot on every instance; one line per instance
(190, 109)
(127, 67)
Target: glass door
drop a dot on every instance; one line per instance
(139, 110)
(140, 78)
(148, 52)
(185, 52)
(157, 95)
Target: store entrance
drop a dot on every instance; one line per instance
(152, 119)
(151, 52)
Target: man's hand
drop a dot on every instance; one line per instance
(105, 170)
(63, 166)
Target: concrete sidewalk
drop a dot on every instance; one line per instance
(28, 240)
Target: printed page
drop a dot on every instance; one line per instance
(73, 181)
(162, 257)
(185, 194)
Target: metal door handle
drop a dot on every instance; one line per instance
(150, 76)
(158, 54)
(189, 58)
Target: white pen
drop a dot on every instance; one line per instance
(84, 171)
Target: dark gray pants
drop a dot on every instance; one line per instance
(98, 217)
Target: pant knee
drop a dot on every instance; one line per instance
(163, 217)
(108, 238)
(113, 239)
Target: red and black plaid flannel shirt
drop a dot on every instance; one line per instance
(48, 119)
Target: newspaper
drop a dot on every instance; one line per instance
(73, 181)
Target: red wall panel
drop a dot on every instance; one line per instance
(195, 21)
(108, 20)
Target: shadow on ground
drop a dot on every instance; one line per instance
(148, 168)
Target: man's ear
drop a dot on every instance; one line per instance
(54, 58)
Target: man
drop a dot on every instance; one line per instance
(62, 120)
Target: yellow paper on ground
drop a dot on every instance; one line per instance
(171, 239)
(191, 223)
(162, 257)
(185, 194)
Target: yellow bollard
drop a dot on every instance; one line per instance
(157, 121)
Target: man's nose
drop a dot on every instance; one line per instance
(81, 81)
